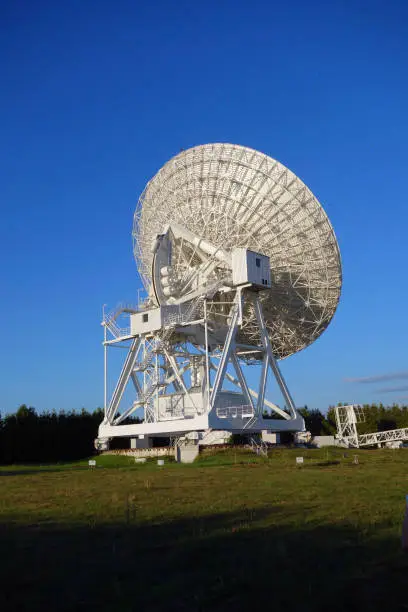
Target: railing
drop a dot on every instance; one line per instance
(143, 303)
(233, 412)
(116, 331)
(147, 360)
(177, 411)
(184, 315)
(110, 320)
(155, 382)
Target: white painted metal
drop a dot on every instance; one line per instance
(232, 196)
(241, 265)
(347, 419)
(250, 267)
(214, 436)
(380, 437)
(105, 363)
(258, 445)
(172, 404)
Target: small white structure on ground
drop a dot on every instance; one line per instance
(347, 419)
(321, 441)
(271, 437)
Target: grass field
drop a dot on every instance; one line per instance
(230, 532)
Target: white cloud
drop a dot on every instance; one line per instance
(379, 378)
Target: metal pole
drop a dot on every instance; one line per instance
(156, 367)
(105, 364)
(144, 381)
(207, 364)
(105, 372)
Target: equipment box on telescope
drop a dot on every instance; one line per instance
(149, 321)
(250, 267)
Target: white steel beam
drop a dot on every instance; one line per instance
(262, 384)
(254, 394)
(127, 369)
(228, 346)
(272, 361)
(242, 381)
(174, 366)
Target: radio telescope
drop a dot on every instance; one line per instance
(241, 267)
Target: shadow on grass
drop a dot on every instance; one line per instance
(220, 562)
(30, 471)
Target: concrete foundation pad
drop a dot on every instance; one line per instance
(187, 454)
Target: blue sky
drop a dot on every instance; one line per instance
(96, 96)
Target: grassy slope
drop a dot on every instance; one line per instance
(228, 532)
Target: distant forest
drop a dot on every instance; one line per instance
(377, 418)
(28, 437)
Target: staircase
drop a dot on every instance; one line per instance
(192, 311)
(155, 382)
(258, 446)
(141, 366)
(114, 329)
(251, 422)
(110, 320)
(147, 361)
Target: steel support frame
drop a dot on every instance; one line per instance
(346, 421)
(152, 347)
(230, 354)
(272, 362)
(347, 418)
(151, 381)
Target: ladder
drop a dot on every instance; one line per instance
(258, 446)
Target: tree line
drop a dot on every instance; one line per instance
(377, 417)
(26, 436)
(47, 437)
(29, 437)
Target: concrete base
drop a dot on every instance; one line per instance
(272, 437)
(321, 441)
(186, 454)
(162, 451)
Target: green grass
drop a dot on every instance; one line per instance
(230, 532)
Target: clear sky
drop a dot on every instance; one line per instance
(95, 96)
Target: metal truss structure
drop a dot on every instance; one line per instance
(241, 267)
(182, 387)
(347, 419)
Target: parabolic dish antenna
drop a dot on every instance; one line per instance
(241, 265)
(233, 196)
